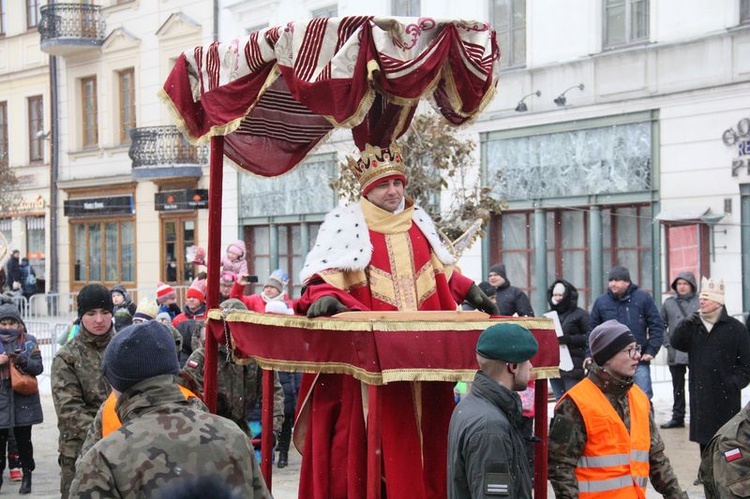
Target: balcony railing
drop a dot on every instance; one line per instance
(162, 151)
(68, 28)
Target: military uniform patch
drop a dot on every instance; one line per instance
(497, 484)
(732, 455)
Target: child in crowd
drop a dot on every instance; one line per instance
(234, 260)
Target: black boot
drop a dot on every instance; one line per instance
(25, 483)
(283, 459)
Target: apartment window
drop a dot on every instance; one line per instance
(126, 92)
(36, 129)
(3, 133)
(178, 234)
(744, 11)
(33, 13)
(90, 122)
(625, 22)
(3, 10)
(104, 251)
(626, 233)
(328, 11)
(405, 8)
(509, 19)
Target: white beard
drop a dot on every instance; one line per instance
(343, 242)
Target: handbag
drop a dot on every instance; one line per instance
(22, 383)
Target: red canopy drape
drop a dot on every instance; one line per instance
(278, 92)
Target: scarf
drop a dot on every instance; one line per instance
(710, 318)
(9, 338)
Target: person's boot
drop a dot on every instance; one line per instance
(283, 459)
(673, 423)
(25, 483)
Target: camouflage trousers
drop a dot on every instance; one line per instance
(67, 474)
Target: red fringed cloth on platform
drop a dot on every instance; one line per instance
(375, 352)
(278, 92)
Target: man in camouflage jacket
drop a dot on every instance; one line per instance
(78, 387)
(162, 440)
(568, 438)
(238, 387)
(726, 459)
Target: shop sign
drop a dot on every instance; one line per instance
(93, 207)
(27, 205)
(185, 199)
(739, 138)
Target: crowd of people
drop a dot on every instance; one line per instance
(128, 379)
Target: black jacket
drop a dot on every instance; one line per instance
(719, 370)
(485, 443)
(575, 325)
(511, 300)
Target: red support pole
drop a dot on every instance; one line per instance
(374, 442)
(216, 179)
(540, 429)
(266, 428)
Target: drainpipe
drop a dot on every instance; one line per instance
(54, 171)
(216, 20)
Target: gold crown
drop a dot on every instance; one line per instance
(375, 163)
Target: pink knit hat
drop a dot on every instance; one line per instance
(238, 247)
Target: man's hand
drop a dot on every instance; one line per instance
(647, 357)
(325, 306)
(20, 361)
(479, 301)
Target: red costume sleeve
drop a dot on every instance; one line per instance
(238, 290)
(315, 291)
(459, 285)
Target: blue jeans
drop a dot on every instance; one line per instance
(642, 378)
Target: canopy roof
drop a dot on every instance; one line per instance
(280, 91)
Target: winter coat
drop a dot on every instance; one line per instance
(719, 370)
(238, 387)
(637, 310)
(163, 441)
(188, 314)
(290, 382)
(27, 289)
(240, 266)
(511, 300)
(123, 313)
(189, 330)
(568, 438)
(78, 387)
(13, 270)
(575, 325)
(16, 409)
(485, 443)
(674, 310)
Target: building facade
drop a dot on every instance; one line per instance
(620, 134)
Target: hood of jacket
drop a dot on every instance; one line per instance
(499, 269)
(569, 300)
(119, 288)
(689, 277)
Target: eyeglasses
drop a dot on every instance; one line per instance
(633, 352)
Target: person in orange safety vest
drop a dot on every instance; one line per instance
(603, 441)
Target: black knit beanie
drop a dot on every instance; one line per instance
(499, 269)
(139, 352)
(93, 296)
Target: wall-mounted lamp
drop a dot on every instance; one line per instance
(521, 106)
(560, 100)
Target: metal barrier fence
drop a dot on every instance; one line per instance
(63, 306)
(46, 334)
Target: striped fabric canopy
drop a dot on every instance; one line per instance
(278, 92)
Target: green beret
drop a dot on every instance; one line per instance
(509, 342)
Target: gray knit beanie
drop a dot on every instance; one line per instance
(139, 352)
(619, 273)
(607, 339)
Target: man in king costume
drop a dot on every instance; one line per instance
(382, 253)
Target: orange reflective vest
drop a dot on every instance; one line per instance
(110, 419)
(614, 464)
